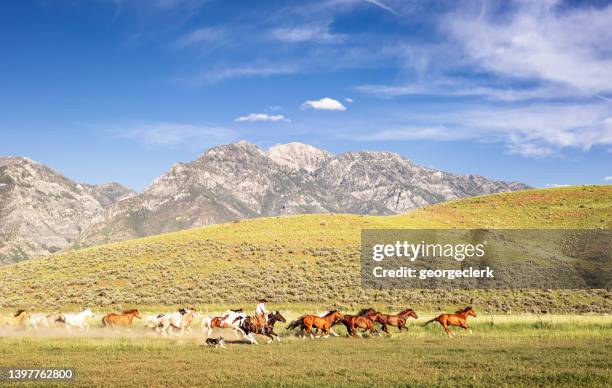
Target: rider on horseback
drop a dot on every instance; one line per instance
(262, 313)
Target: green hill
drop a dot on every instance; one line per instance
(299, 259)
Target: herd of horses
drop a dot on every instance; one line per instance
(243, 325)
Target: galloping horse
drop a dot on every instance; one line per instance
(18, 319)
(352, 322)
(397, 320)
(179, 320)
(124, 319)
(227, 320)
(251, 325)
(324, 324)
(44, 320)
(78, 320)
(459, 318)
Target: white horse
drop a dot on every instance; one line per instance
(78, 320)
(37, 320)
(230, 319)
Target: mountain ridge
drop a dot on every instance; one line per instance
(42, 211)
(240, 180)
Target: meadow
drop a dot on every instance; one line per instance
(310, 263)
(518, 350)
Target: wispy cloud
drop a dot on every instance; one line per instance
(382, 5)
(608, 178)
(538, 130)
(255, 117)
(456, 88)
(540, 41)
(232, 72)
(307, 33)
(324, 103)
(174, 134)
(201, 35)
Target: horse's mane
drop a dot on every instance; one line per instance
(365, 311)
(237, 310)
(463, 310)
(19, 312)
(130, 311)
(330, 313)
(182, 311)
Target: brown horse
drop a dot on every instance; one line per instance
(18, 319)
(398, 320)
(122, 320)
(324, 324)
(353, 322)
(459, 318)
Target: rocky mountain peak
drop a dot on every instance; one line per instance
(298, 156)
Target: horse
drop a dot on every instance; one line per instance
(18, 319)
(179, 320)
(251, 325)
(398, 320)
(352, 322)
(124, 319)
(227, 320)
(323, 314)
(44, 320)
(78, 320)
(459, 318)
(324, 324)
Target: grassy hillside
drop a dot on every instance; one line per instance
(299, 259)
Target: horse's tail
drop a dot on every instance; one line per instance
(104, 321)
(296, 323)
(430, 321)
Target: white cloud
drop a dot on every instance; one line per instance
(542, 41)
(201, 35)
(325, 103)
(222, 74)
(451, 88)
(349, 100)
(307, 33)
(382, 5)
(538, 130)
(608, 178)
(557, 185)
(254, 117)
(174, 134)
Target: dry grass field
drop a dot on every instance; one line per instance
(523, 350)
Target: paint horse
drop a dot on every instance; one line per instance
(252, 325)
(227, 320)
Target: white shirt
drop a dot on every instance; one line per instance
(261, 309)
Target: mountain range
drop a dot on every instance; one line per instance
(42, 211)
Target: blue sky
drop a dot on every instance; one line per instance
(120, 90)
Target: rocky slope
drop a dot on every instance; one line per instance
(240, 180)
(42, 211)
